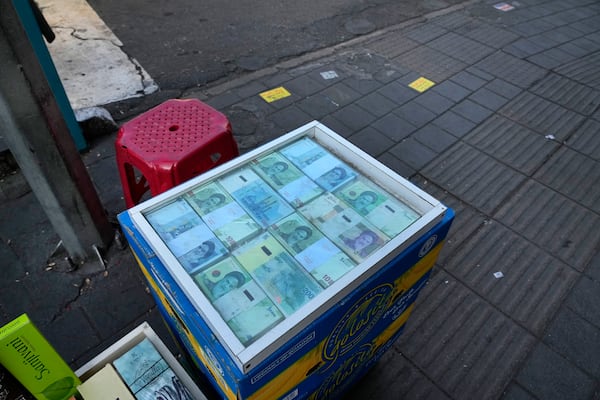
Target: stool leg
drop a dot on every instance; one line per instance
(133, 187)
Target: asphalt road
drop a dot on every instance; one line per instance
(188, 43)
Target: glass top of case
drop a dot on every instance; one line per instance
(264, 239)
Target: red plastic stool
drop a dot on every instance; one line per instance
(169, 144)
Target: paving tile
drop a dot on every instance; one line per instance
(354, 117)
(474, 177)
(555, 223)
(396, 165)
(574, 175)
(71, 333)
(224, 100)
(459, 47)
(467, 80)
(568, 93)
(415, 114)
(584, 70)
(290, 118)
(362, 85)
(461, 342)
(472, 111)
(523, 48)
(394, 127)
(586, 139)
(576, 340)
(251, 89)
(466, 220)
(397, 92)
(336, 125)
(435, 138)
(513, 70)
(512, 144)
(542, 116)
(453, 20)
(394, 377)
(593, 268)
(488, 34)
(588, 25)
(454, 124)
(371, 141)
(431, 63)
(318, 106)
(376, 103)
(451, 90)
(584, 298)
(392, 45)
(434, 102)
(503, 88)
(340, 94)
(424, 33)
(304, 86)
(516, 392)
(533, 284)
(531, 28)
(546, 60)
(488, 99)
(413, 153)
(550, 376)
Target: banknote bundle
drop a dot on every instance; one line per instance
(243, 305)
(274, 269)
(223, 215)
(256, 196)
(344, 226)
(315, 252)
(320, 165)
(186, 235)
(291, 183)
(381, 209)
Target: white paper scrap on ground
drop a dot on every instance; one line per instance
(329, 75)
(88, 58)
(550, 137)
(498, 275)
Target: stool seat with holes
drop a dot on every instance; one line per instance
(169, 144)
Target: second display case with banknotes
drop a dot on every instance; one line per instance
(299, 256)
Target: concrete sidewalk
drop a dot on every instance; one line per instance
(508, 137)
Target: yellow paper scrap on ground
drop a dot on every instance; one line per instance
(421, 84)
(275, 94)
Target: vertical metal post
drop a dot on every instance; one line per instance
(41, 143)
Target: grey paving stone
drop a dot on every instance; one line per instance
(413, 153)
(503, 88)
(424, 33)
(488, 34)
(362, 86)
(472, 111)
(398, 92)
(432, 64)
(340, 94)
(555, 223)
(317, 106)
(574, 50)
(415, 114)
(584, 70)
(392, 45)
(550, 59)
(551, 377)
(376, 103)
(488, 99)
(584, 298)
(304, 86)
(593, 268)
(573, 175)
(275, 80)
(586, 139)
(479, 73)
(534, 283)
(515, 392)
(467, 80)
(224, 100)
(523, 48)
(474, 177)
(461, 342)
(434, 137)
(394, 127)
(451, 90)
(395, 377)
(576, 340)
(531, 28)
(513, 70)
(434, 102)
(371, 141)
(251, 89)
(396, 165)
(337, 126)
(290, 118)
(587, 25)
(542, 116)
(512, 144)
(453, 20)
(71, 334)
(459, 47)
(568, 93)
(454, 124)
(354, 117)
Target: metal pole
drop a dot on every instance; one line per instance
(40, 141)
